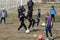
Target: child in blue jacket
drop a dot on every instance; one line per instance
(52, 13)
(38, 16)
(3, 15)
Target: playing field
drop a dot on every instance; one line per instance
(9, 30)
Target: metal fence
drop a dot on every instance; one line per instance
(8, 4)
(12, 4)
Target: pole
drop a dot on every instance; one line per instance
(21, 2)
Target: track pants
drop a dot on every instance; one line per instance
(22, 24)
(53, 17)
(49, 32)
(3, 19)
(32, 22)
(38, 20)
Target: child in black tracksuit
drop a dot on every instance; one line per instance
(21, 17)
(30, 5)
(31, 20)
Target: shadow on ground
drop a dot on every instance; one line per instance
(35, 30)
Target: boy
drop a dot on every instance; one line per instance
(38, 16)
(48, 26)
(4, 15)
(52, 13)
(30, 4)
(21, 16)
(31, 20)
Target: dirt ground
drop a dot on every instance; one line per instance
(9, 30)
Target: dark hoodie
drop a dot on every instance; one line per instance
(20, 11)
(30, 5)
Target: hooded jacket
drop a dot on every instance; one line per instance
(5, 13)
(52, 11)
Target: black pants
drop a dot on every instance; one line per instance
(49, 32)
(31, 20)
(30, 8)
(53, 17)
(22, 23)
(32, 23)
(3, 19)
(38, 20)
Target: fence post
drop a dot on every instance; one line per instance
(21, 2)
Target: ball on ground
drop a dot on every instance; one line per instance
(40, 37)
(43, 24)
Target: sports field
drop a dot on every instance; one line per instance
(9, 30)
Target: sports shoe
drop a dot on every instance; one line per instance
(27, 31)
(34, 28)
(51, 38)
(47, 39)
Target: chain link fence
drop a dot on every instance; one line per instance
(11, 4)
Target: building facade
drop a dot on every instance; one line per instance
(49, 1)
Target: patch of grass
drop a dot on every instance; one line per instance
(10, 32)
(39, 5)
(58, 18)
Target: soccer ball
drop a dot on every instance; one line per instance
(40, 37)
(43, 24)
(27, 31)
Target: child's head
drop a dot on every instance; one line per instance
(30, 0)
(47, 14)
(52, 7)
(39, 10)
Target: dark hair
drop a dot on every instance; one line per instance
(30, 0)
(52, 7)
(39, 9)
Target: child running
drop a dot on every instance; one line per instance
(21, 16)
(48, 26)
(38, 16)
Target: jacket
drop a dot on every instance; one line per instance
(38, 15)
(52, 11)
(5, 14)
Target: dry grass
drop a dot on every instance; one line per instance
(9, 31)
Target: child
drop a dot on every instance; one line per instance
(3, 15)
(52, 13)
(31, 20)
(48, 26)
(38, 16)
(21, 16)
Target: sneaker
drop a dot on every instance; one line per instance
(47, 39)
(27, 31)
(52, 38)
(34, 28)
